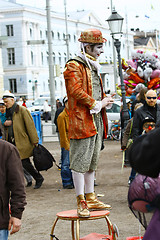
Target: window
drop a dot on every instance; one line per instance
(9, 29)
(11, 56)
(42, 60)
(52, 34)
(13, 85)
(60, 60)
(54, 58)
(65, 57)
(58, 35)
(74, 38)
(32, 60)
(40, 33)
(31, 32)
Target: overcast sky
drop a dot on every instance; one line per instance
(143, 14)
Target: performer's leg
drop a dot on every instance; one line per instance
(78, 180)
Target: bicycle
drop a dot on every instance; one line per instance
(115, 131)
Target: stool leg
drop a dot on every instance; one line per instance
(77, 229)
(109, 225)
(72, 229)
(53, 227)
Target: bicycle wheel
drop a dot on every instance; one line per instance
(115, 132)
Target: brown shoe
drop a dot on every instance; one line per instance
(82, 209)
(94, 204)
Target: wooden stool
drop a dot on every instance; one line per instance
(72, 216)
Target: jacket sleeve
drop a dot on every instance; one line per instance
(15, 180)
(74, 79)
(136, 130)
(64, 140)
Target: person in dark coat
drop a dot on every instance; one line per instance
(12, 190)
(150, 109)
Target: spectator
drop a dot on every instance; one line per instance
(127, 141)
(60, 109)
(46, 110)
(140, 98)
(150, 109)
(24, 102)
(11, 190)
(87, 115)
(2, 120)
(63, 125)
(20, 131)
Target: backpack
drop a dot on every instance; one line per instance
(42, 158)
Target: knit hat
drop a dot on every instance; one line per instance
(7, 94)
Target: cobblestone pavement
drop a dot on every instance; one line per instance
(44, 203)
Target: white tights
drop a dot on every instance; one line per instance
(83, 181)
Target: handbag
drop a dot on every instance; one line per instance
(42, 158)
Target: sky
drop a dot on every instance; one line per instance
(142, 14)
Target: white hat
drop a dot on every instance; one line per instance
(2, 102)
(7, 94)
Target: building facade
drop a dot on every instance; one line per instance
(25, 50)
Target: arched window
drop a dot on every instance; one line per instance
(60, 59)
(52, 34)
(54, 58)
(58, 35)
(32, 60)
(65, 57)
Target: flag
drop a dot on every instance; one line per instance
(152, 7)
(147, 16)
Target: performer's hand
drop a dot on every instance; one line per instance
(107, 101)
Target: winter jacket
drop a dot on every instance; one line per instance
(63, 126)
(78, 82)
(11, 184)
(139, 115)
(25, 133)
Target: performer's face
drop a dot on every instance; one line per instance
(95, 51)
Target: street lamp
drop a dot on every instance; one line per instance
(115, 22)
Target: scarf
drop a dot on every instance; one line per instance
(9, 115)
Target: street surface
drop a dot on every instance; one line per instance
(44, 203)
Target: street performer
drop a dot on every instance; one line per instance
(87, 118)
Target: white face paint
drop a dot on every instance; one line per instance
(97, 50)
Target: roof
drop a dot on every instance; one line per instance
(141, 41)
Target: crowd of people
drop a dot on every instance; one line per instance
(81, 123)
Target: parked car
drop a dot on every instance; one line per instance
(38, 106)
(114, 112)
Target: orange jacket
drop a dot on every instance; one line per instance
(78, 82)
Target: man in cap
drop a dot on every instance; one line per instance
(87, 118)
(20, 131)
